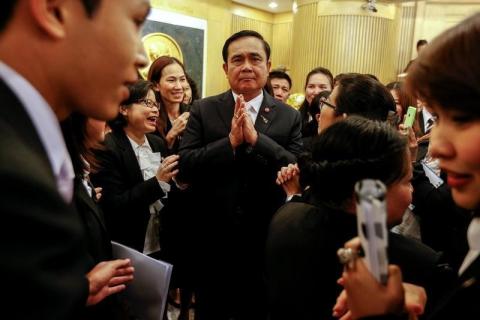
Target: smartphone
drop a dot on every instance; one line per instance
(409, 117)
(372, 226)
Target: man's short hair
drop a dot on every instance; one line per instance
(421, 42)
(243, 34)
(8, 6)
(277, 74)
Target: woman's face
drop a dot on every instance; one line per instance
(95, 130)
(398, 106)
(455, 141)
(328, 115)
(399, 195)
(187, 93)
(142, 116)
(171, 84)
(317, 83)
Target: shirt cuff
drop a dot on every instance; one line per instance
(165, 187)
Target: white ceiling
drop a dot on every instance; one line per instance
(283, 5)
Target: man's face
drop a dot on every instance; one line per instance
(247, 66)
(280, 88)
(103, 53)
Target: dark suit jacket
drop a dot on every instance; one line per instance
(422, 146)
(460, 303)
(235, 191)
(443, 225)
(99, 248)
(43, 258)
(126, 197)
(302, 265)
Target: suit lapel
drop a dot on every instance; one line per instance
(128, 156)
(86, 199)
(14, 114)
(266, 114)
(225, 108)
(472, 271)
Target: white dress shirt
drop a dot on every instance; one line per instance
(427, 120)
(473, 235)
(253, 106)
(47, 126)
(149, 162)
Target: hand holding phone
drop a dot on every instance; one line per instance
(371, 223)
(409, 117)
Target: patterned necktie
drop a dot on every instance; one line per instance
(429, 125)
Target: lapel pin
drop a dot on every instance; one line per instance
(267, 109)
(265, 120)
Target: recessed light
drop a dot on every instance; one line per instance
(294, 7)
(273, 5)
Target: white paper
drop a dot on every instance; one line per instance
(435, 180)
(147, 293)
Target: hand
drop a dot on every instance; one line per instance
(236, 131)
(412, 140)
(107, 278)
(288, 177)
(362, 288)
(415, 300)
(425, 137)
(168, 168)
(249, 132)
(98, 193)
(179, 124)
(340, 309)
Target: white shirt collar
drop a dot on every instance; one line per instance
(135, 145)
(473, 236)
(45, 122)
(426, 116)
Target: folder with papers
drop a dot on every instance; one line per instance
(147, 293)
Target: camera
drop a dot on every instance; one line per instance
(370, 6)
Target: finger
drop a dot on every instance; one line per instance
(115, 281)
(172, 174)
(354, 243)
(394, 276)
(115, 289)
(119, 263)
(347, 316)
(125, 271)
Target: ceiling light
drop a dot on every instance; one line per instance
(273, 5)
(294, 7)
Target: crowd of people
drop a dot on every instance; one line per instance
(247, 197)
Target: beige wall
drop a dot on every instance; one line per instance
(433, 17)
(335, 34)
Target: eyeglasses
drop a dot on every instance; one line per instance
(149, 103)
(325, 102)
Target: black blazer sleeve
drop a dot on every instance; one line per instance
(43, 258)
(119, 193)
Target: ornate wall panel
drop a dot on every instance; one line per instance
(342, 42)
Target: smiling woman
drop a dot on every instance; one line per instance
(132, 175)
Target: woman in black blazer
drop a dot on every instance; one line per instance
(133, 176)
(447, 77)
(302, 264)
(81, 136)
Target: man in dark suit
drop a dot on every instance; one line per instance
(42, 80)
(232, 148)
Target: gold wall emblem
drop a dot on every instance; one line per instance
(159, 44)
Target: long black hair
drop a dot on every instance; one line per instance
(348, 151)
